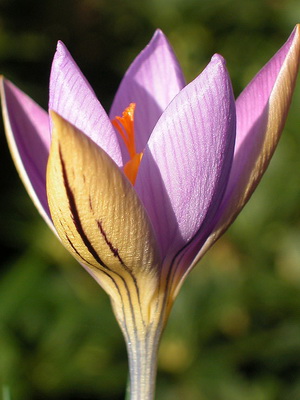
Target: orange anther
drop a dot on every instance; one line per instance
(125, 127)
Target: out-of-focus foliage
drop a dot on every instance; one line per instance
(234, 332)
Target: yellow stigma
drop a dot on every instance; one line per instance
(125, 127)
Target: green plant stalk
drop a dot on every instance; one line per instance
(142, 354)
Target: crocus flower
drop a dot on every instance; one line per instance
(140, 195)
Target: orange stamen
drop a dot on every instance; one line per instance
(132, 166)
(125, 127)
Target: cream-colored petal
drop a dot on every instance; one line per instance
(101, 221)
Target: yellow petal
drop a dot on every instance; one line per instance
(100, 219)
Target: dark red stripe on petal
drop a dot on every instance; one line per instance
(115, 252)
(113, 249)
(75, 216)
(79, 255)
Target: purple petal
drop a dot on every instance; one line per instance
(184, 170)
(28, 134)
(152, 81)
(72, 97)
(261, 113)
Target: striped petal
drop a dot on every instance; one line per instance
(27, 130)
(261, 114)
(99, 217)
(152, 81)
(184, 170)
(72, 97)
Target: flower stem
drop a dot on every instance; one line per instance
(142, 356)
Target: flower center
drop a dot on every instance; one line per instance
(125, 127)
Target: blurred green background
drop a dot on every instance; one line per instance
(234, 332)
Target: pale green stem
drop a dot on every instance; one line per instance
(141, 320)
(142, 354)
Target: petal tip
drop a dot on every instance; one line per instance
(159, 33)
(294, 36)
(6, 87)
(53, 115)
(296, 33)
(158, 37)
(58, 123)
(62, 52)
(218, 59)
(2, 84)
(61, 48)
